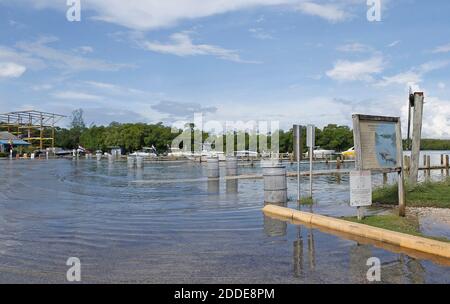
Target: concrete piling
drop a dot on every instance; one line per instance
(275, 184)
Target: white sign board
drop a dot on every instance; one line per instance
(311, 136)
(360, 188)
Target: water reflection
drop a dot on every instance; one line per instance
(274, 227)
(147, 232)
(232, 186)
(213, 186)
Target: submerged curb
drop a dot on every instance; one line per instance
(395, 238)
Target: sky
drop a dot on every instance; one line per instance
(293, 61)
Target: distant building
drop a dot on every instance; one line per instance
(7, 139)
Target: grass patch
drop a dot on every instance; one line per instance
(427, 194)
(396, 223)
(306, 201)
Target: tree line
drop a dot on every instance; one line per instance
(134, 136)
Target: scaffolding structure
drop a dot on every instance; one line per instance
(31, 125)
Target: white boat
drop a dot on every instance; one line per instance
(321, 153)
(246, 153)
(145, 152)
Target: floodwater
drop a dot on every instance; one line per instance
(166, 231)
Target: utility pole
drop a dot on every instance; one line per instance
(416, 137)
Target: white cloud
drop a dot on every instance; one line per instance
(395, 43)
(42, 87)
(182, 45)
(329, 12)
(441, 85)
(8, 54)
(356, 70)
(85, 49)
(72, 95)
(64, 60)
(11, 70)
(442, 49)
(436, 121)
(409, 78)
(414, 76)
(114, 89)
(155, 14)
(355, 48)
(260, 34)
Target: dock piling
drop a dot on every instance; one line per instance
(275, 183)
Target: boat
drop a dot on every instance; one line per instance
(246, 153)
(321, 153)
(350, 153)
(146, 152)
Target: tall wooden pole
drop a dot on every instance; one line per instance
(417, 134)
(401, 173)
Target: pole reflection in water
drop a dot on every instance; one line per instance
(232, 186)
(299, 262)
(274, 227)
(401, 269)
(213, 186)
(359, 254)
(298, 254)
(139, 173)
(311, 250)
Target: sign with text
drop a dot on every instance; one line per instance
(297, 142)
(378, 142)
(360, 188)
(311, 136)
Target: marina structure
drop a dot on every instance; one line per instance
(34, 127)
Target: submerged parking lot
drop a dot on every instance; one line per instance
(176, 232)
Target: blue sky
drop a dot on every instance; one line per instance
(294, 61)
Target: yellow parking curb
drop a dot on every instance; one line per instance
(395, 238)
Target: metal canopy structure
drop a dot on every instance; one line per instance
(30, 125)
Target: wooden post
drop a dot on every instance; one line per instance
(416, 136)
(401, 174)
(385, 178)
(425, 161)
(442, 164)
(338, 163)
(428, 165)
(447, 164)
